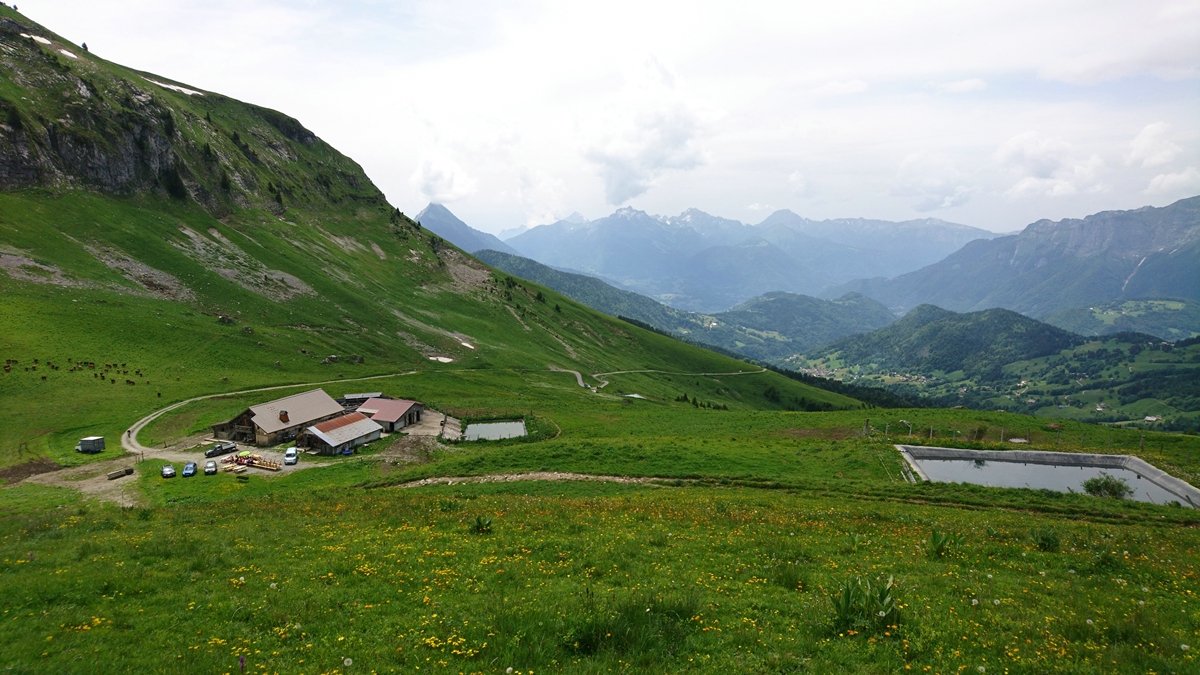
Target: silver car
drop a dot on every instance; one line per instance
(168, 471)
(210, 467)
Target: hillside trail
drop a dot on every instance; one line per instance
(599, 377)
(535, 475)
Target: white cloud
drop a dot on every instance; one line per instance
(962, 86)
(1152, 148)
(839, 88)
(442, 180)
(656, 132)
(799, 185)
(934, 180)
(1047, 167)
(760, 207)
(542, 196)
(1184, 182)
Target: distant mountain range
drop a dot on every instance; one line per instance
(1050, 266)
(438, 220)
(705, 263)
(770, 328)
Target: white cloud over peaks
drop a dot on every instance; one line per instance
(962, 86)
(799, 185)
(839, 88)
(934, 180)
(657, 132)
(442, 180)
(542, 196)
(1152, 148)
(1186, 181)
(1047, 166)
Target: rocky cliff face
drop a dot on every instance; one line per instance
(71, 119)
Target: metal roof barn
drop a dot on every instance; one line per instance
(293, 410)
(347, 431)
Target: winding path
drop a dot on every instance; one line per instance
(536, 475)
(604, 383)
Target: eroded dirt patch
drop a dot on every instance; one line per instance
(225, 258)
(15, 474)
(152, 280)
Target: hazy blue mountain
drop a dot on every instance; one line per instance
(771, 328)
(1170, 320)
(705, 263)
(1144, 253)
(883, 248)
(438, 220)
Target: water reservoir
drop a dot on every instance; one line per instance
(494, 431)
(1063, 472)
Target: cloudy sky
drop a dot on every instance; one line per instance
(514, 113)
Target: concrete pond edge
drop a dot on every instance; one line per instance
(1182, 489)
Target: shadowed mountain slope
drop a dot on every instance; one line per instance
(1144, 253)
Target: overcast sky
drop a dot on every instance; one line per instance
(513, 113)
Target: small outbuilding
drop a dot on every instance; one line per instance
(342, 433)
(280, 420)
(391, 413)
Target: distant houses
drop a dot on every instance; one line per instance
(316, 421)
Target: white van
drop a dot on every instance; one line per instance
(290, 456)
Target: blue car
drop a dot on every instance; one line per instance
(189, 469)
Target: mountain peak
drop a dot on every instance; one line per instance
(576, 218)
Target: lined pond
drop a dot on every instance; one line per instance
(1039, 477)
(494, 431)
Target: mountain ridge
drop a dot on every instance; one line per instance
(1053, 265)
(701, 262)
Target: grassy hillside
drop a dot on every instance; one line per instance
(1170, 320)
(199, 289)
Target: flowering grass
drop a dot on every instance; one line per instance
(583, 578)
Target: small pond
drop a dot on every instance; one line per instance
(494, 431)
(1038, 477)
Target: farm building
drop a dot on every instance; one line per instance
(352, 401)
(392, 414)
(280, 420)
(346, 432)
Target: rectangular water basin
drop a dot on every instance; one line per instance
(494, 431)
(1062, 472)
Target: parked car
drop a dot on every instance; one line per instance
(189, 469)
(291, 456)
(210, 467)
(168, 471)
(222, 448)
